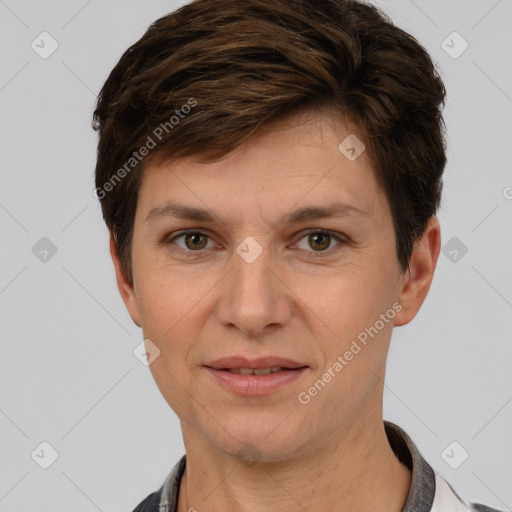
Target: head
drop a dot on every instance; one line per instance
(250, 111)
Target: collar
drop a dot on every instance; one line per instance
(421, 493)
(423, 481)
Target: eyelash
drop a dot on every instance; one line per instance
(342, 241)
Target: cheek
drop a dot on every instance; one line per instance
(352, 337)
(161, 306)
(165, 294)
(173, 308)
(349, 308)
(347, 300)
(166, 319)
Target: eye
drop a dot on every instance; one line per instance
(320, 240)
(194, 241)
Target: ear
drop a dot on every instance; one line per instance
(418, 278)
(126, 289)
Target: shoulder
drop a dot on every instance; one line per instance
(150, 504)
(476, 507)
(446, 498)
(166, 498)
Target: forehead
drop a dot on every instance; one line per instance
(299, 161)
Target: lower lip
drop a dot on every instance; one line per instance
(255, 385)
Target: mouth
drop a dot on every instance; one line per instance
(265, 365)
(256, 371)
(257, 377)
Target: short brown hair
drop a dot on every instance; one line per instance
(240, 65)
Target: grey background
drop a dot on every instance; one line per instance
(67, 369)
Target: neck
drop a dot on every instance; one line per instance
(354, 471)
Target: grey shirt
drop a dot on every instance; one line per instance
(429, 492)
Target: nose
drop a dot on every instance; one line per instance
(255, 297)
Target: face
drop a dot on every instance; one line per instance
(291, 257)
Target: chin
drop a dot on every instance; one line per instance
(266, 437)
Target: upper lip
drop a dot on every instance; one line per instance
(262, 362)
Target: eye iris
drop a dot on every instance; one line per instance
(194, 237)
(315, 236)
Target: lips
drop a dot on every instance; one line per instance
(255, 377)
(254, 371)
(260, 366)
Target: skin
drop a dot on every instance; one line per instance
(202, 301)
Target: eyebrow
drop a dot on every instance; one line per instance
(180, 211)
